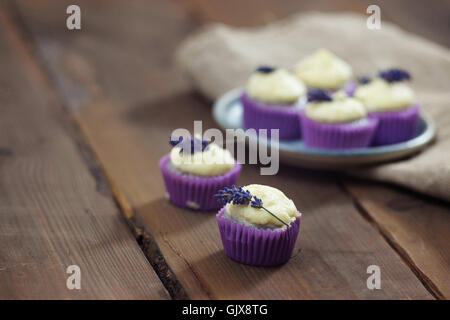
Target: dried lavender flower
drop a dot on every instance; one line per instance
(265, 69)
(318, 95)
(394, 75)
(189, 144)
(237, 195)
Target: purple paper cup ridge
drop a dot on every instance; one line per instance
(257, 246)
(196, 192)
(395, 126)
(260, 115)
(347, 135)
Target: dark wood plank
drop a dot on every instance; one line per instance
(429, 19)
(416, 226)
(252, 13)
(134, 98)
(54, 212)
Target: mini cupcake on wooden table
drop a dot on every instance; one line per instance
(336, 121)
(195, 170)
(258, 225)
(389, 100)
(272, 100)
(324, 70)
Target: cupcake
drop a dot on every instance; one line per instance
(272, 100)
(258, 225)
(389, 100)
(324, 70)
(336, 121)
(195, 170)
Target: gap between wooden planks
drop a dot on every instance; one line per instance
(415, 225)
(54, 212)
(123, 144)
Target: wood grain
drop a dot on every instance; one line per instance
(128, 101)
(56, 208)
(415, 226)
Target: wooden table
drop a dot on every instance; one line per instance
(85, 118)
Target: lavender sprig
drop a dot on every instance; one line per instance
(318, 95)
(394, 75)
(189, 144)
(237, 195)
(234, 195)
(265, 69)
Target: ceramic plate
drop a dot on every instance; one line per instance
(227, 112)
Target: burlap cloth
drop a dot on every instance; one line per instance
(219, 58)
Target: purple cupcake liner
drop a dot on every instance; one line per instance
(349, 135)
(260, 115)
(195, 192)
(395, 126)
(350, 87)
(254, 246)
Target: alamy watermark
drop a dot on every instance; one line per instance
(374, 20)
(73, 21)
(374, 280)
(74, 280)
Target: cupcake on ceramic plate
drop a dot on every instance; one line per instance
(195, 170)
(336, 121)
(258, 225)
(389, 100)
(324, 70)
(272, 100)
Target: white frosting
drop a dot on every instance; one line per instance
(273, 200)
(278, 86)
(213, 161)
(341, 109)
(323, 69)
(380, 95)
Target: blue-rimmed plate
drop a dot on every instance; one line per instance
(227, 112)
